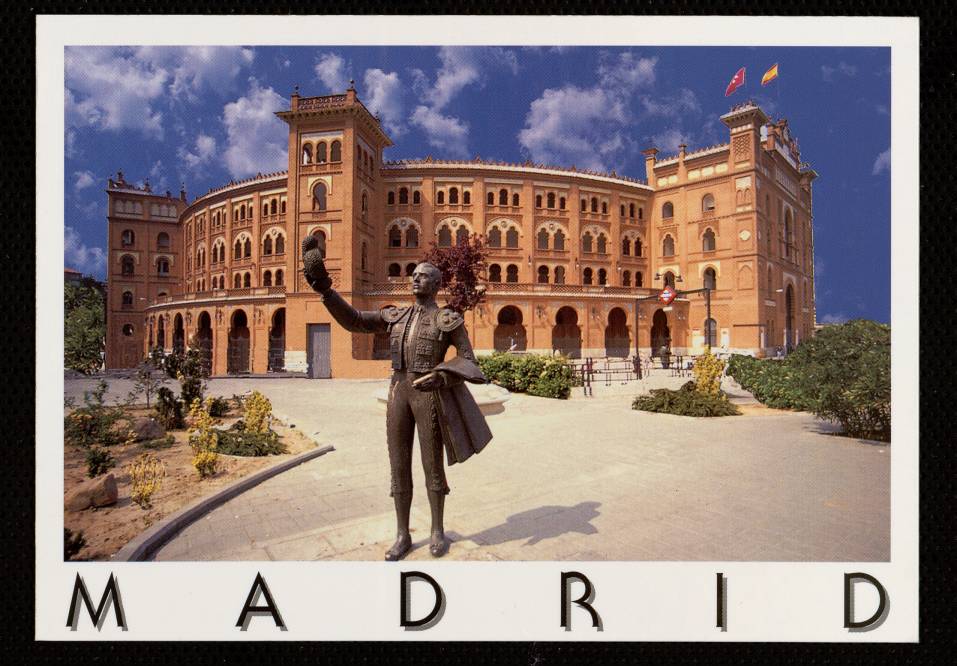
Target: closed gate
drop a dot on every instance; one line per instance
(319, 352)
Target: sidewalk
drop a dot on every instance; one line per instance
(585, 479)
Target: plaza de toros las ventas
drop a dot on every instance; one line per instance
(571, 253)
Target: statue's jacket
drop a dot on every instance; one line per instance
(422, 350)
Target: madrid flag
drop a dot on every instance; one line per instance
(736, 82)
(770, 75)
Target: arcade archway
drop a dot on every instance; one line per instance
(204, 341)
(660, 333)
(237, 348)
(510, 334)
(617, 342)
(566, 334)
(277, 342)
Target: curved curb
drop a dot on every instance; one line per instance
(144, 546)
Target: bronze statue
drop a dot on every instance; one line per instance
(425, 393)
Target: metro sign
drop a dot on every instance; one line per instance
(667, 295)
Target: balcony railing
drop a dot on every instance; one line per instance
(401, 288)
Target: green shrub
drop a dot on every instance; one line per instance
(842, 374)
(237, 441)
(159, 443)
(686, 401)
(98, 461)
(73, 543)
(219, 407)
(169, 409)
(535, 374)
(96, 424)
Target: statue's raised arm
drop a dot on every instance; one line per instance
(314, 270)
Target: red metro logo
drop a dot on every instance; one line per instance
(667, 295)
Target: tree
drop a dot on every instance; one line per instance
(462, 266)
(150, 376)
(84, 329)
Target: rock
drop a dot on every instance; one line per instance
(99, 491)
(147, 428)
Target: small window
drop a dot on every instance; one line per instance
(280, 244)
(638, 278)
(395, 270)
(641, 213)
(668, 210)
(586, 242)
(542, 240)
(503, 197)
(494, 273)
(162, 267)
(584, 205)
(511, 238)
(604, 207)
(594, 204)
(237, 251)
(670, 279)
(307, 154)
(668, 246)
(623, 210)
(409, 270)
(272, 207)
(453, 195)
(279, 278)
(543, 274)
(511, 273)
(127, 265)
(440, 197)
(247, 280)
(626, 279)
(127, 330)
(538, 201)
(267, 246)
(515, 199)
(559, 242)
(320, 153)
(638, 247)
(390, 198)
(707, 203)
(335, 153)
(490, 199)
(319, 197)
(128, 238)
(403, 195)
(561, 203)
(495, 237)
(559, 275)
(602, 276)
(395, 236)
(631, 210)
(602, 244)
(461, 236)
(127, 298)
(237, 281)
(247, 248)
(551, 199)
(445, 237)
(416, 198)
(710, 279)
(412, 237)
(626, 247)
(707, 241)
(466, 197)
(162, 241)
(267, 279)
(587, 276)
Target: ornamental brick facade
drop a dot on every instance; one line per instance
(571, 252)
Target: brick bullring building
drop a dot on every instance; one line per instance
(570, 252)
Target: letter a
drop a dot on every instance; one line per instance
(258, 589)
(111, 597)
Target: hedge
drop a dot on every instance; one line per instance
(535, 374)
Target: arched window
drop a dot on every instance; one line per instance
(412, 237)
(247, 280)
(711, 332)
(395, 236)
(631, 210)
(453, 195)
(594, 204)
(542, 240)
(242, 212)
(626, 279)
(586, 242)
(265, 209)
(237, 251)
(395, 270)
(707, 241)
(604, 207)
(538, 201)
(559, 275)
(403, 195)
(466, 197)
(515, 199)
(319, 196)
(667, 210)
(267, 279)
(162, 267)
(247, 248)
(623, 210)
(267, 245)
(461, 236)
(390, 198)
(561, 203)
(237, 281)
(416, 198)
(707, 203)
(440, 197)
(551, 199)
(637, 247)
(494, 273)
(128, 238)
(282, 206)
(511, 238)
(445, 237)
(272, 207)
(710, 279)
(307, 154)
(602, 276)
(280, 244)
(625, 247)
(559, 242)
(235, 214)
(586, 276)
(670, 279)
(320, 153)
(162, 240)
(279, 278)
(495, 237)
(543, 274)
(668, 246)
(638, 278)
(602, 244)
(490, 199)
(788, 233)
(127, 330)
(511, 273)
(641, 213)
(409, 270)
(503, 197)
(335, 153)
(584, 205)
(127, 298)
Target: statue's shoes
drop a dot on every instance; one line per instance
(439, 549)
(397, 552)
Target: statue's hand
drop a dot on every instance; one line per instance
(314, 268)
(431, 382)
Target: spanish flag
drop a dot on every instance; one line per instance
(770, 75)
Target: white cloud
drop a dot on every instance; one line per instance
(83, 180)
(627, 72)
(383, 94)
(669, 140)
(882, 163)
(203, 150)
(672, 106)
(78, 255)
(70, 148)
(463, 66)
(331, 70)
(835, 318)
(195, 68)
(158, 177)
(446, 133)
(256, 140)
(842, 68)
(572, 125)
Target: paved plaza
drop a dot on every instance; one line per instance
(584, 479)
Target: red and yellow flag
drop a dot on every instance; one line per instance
(770, 75)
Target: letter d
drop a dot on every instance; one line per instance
(883, 606)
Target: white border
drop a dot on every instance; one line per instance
(501, 601)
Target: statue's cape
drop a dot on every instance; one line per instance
(464, 429)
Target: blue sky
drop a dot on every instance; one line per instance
(204, 115)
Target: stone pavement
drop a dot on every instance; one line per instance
(585, 479)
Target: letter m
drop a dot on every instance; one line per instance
(111, 597)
